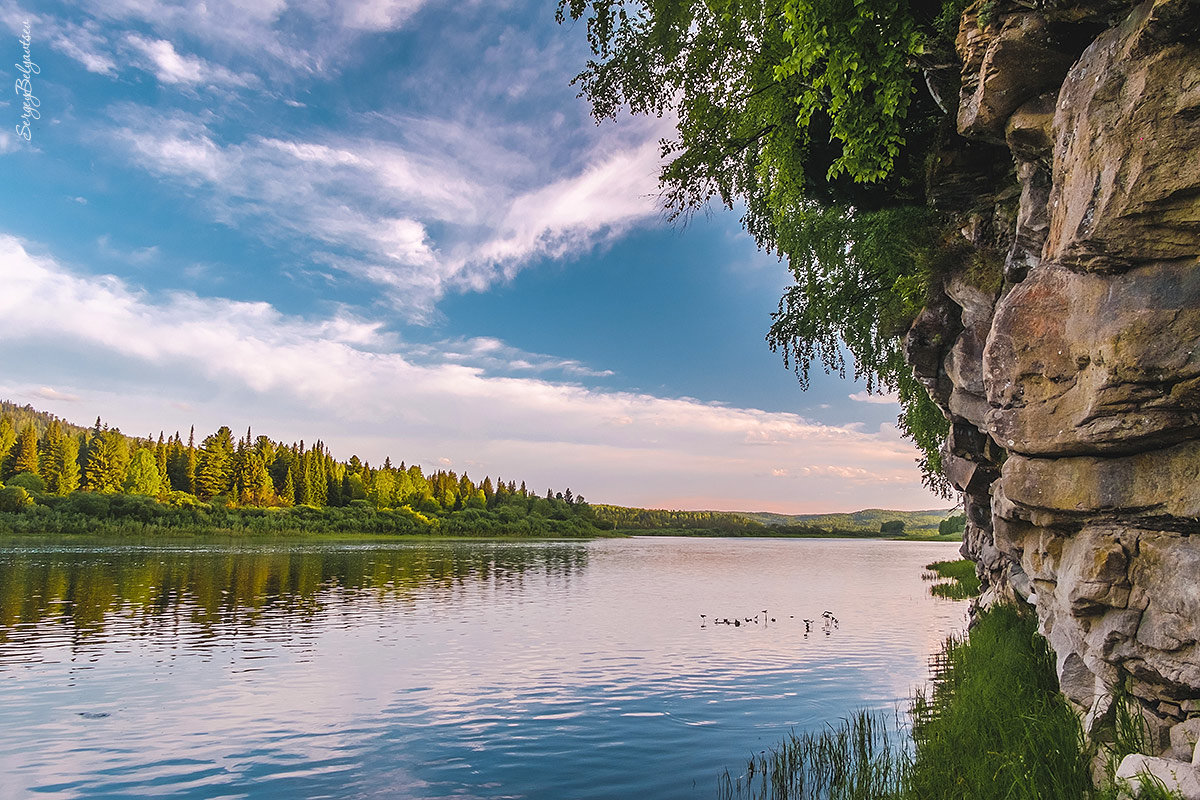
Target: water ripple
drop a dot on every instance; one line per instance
(574, 670)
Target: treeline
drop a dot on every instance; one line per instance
(56, 475)
(726, 523)
(645, 519)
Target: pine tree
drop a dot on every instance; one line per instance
(106, 461)
(67, 460)
(160, 456)
(23, 457)
(287, 496)
(8, 437)
(48, 448)
(190, 464)
(214, 470)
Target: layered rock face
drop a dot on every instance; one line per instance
(1073, 384)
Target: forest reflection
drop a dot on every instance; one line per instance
(210, 585)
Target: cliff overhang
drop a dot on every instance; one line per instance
(1073, 390)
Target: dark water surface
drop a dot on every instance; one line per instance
(454, 669)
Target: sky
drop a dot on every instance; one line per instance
(393, 225)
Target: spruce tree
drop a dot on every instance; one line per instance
(48, 451)
(24, 453)
(8, 437)
(190, 464)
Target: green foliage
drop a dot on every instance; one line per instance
(892, 527)
(962, 582)
(23, 457)
(952, 525)
(28, 481)
(995, 725)
(107, 460)
(646, 519)
(14, 499)
(855, 61)
(142, 475)
(924, 423)
(807, 114)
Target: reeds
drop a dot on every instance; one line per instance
(991, 726)
(860, 758)
(962, 582)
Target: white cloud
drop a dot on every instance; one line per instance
(49, 393)
(171, 67)
(345, 379)
(570, 214)
(366, 206)
(85, 44)
(880, 399)
(378, 15)
(494, 357)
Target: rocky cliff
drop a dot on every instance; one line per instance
(1067, 352)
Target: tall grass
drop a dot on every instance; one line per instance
(992, 727)
(860, 758)
(962, 583)
(994, 724)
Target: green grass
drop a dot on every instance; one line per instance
(962, 582)
(994, 724)
(992, 727)
(860, 758)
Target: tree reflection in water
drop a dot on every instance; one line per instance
(218, 585)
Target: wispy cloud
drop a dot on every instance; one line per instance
(376, 399)
(879, 399)
(366, 207)
(171, 67)
(378, 15)
(495, 357)
(87, 45)
(49, 393)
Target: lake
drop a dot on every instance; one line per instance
(302, 669)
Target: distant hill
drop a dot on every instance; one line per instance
(867, 520)
(20, 416)
(729, 523)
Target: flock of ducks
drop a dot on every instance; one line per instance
(829, 622)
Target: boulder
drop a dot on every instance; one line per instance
(1005, 64)
(1126, 180)
(1174, 776)
(1078, 362)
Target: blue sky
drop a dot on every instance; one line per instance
(391, 224)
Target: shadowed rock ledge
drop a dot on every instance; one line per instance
(1072, 382)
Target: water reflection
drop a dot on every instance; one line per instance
(245, 587)
(486, 670)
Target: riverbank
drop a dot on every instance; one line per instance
(783, 533)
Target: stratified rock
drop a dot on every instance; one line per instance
(1074, 399)
(1030, 136)
(1089, 363)
(1126, 181)
(927, 342)
(1156, 486)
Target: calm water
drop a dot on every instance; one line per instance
(467, 670)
